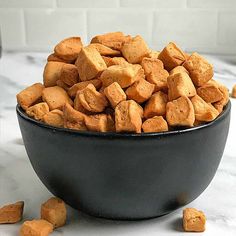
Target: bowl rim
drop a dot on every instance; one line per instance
(23, 115)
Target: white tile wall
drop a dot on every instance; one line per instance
(203, 25)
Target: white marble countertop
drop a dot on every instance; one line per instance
(18, 181)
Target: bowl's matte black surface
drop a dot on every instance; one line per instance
(125, 176)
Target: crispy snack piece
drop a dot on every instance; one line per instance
(12, 213)
(233, 94)
(104, 50)
(153, 54)
(111, 61)
(172, 56)
(180, 85)
(155, 124)
(51, 73)
(223, 102)
(81, 85)
(30, 95)
(99, 123)
(38, 110)
(200, 70)
(54, 118)
(114, 94)
(180, 112)
(89, 63)
(124, 75)
(69, 74)
(54, 57)
(159, 79)
(63, 85)
(36, 228)
(135, 50)
(113, 40)
(178, 69)
(210, 93)
(55, 97)
(54, 211)
(140, 91)
(151, 65)
(69, 48)
(193, 220)
(78, 106)
(203, 111)
(128, 117)
(156, 105)
(73, 119)
(92, 100)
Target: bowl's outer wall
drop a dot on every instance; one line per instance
(128, 177)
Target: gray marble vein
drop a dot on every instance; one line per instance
(18, 181)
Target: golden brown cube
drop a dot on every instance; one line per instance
(180, 85)
(111, 61)
(52, 73)
(178, 69)
(92, 100)
(81, 85)
(180, 112)
(12, 213)
(114, 94)
(124, 75)
(99, 123)
(233, 94)
(54, 211)
(128, 117)
(171, 56)
(140, 91)
(155, 124)
(38, 111)
(69, 48)
(89, 63)
(159, 79)
(30, 95)
(54, 118)
(79, 107)
(69, 74)
(156, 105)
(73, 119)
(113, 40)
(200, 70)
(104, 50)
(210, 93)
(203, 111)
(193, 220)
(135, 50)
(151, 65)
(55, 97)
(36, 228)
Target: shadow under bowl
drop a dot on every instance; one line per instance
(125, 176)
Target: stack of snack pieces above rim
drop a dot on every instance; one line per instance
(118, 84)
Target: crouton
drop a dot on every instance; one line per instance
(193, 220)
(30, 95)
(135, 50)
(38, 110)
(54, 118)
(89, 63)
(155, 124)
(171, 56)
(200, 70)
(180, 112)
(69, 74)
(55, 97)
(104, 51)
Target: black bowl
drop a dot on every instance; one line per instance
(125, 176)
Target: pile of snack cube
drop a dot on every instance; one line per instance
(118, 84)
